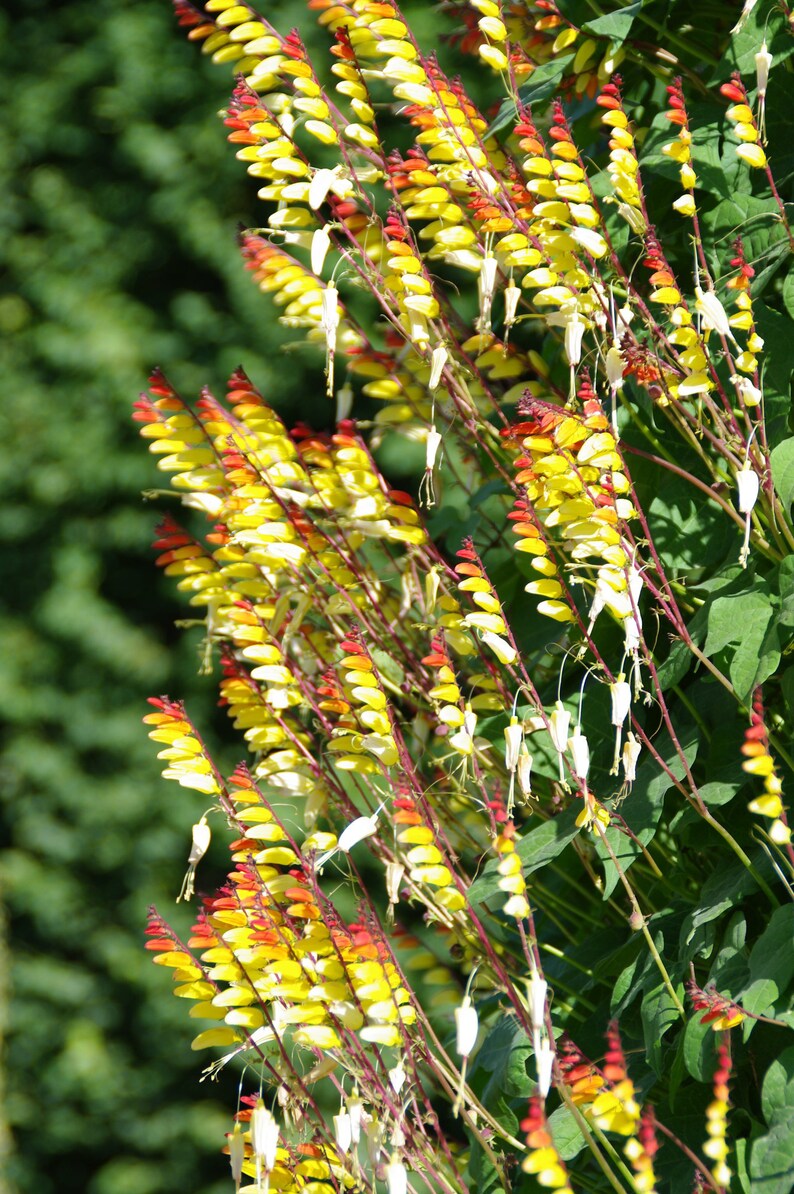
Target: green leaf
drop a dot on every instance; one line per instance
(700, 1052)
(566, 1134)
(539, 846)
(771, 965)
(757, 221)
(503, 1056)
(782, 459)
(541, 85)
(743, 619)
(659, 1013)
(772, 1160)
(777, 1093)
(616, 25)
(642, 811)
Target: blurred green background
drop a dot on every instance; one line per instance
(119, 207)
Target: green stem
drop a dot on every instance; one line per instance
(640, 919)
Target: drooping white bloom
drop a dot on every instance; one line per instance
(631, 753)
(396, 1177)
(620, 692)
(343, 1132)
(580, 753)
(514, 734)
(236, 1154)
(486, 283)
(330, 325)
(559, 724)
(438, 361)
(397, 1077)
(712, 313)
(202, 836)
(748, 485)
(467, 1026)
(321, 243)
(537, 988)
(351, 835)
(524, 770)
(544, 1060)
(264, 1135)
(749, 393)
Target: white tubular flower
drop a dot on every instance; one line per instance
(236, 1154)
(712, 313)
(343, 1133)
(580, 753)
(350, 836)
(524, 770)
(615, 365)
(344, 402)
(514, 734)
(264, 1136)
(748, 485)
(397, 1077)
(574, 331)
(319, 187)
(330, 325)
(633, 217)
(438, 361)
(537, 988)
(620, 692)
(749, 393)
(467, 1026)
(763, 61)
(504, 651)
(559, 724)
(485, 285)
(396, 1177)
(321, 243)
(544, 1060)
(202, 835)
(432, 445)
(511, 296)
(394, 877)
(631, 753)
(355, 1110)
